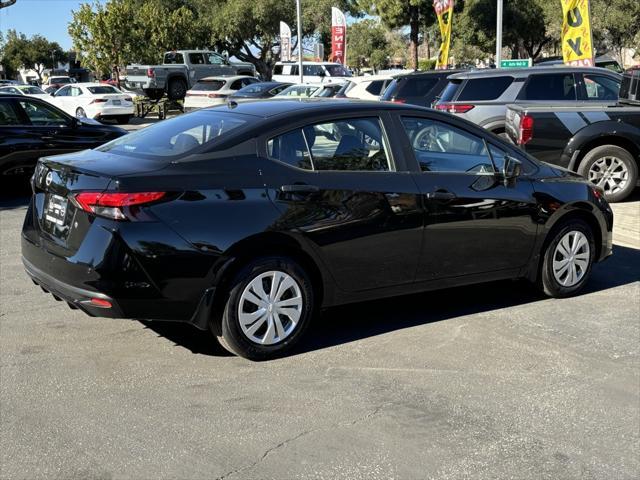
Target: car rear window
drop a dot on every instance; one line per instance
(208, 85)
(102, 90)
(450, 90)
(173, 58)
(554, 86)
(31, 90)
(416, 87)
(177, 137)
(479, 89)
(375, 87)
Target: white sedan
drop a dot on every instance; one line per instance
(27, 90)
(211, 91)
(95, 100)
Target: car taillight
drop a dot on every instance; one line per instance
(526, 130)
(398, 100)
(128, 99)
(99, 100)
(151, 72)
(112, 205)
(454, 107)
(215, 95)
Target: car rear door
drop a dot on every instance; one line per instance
(342, 187)
(475, 221)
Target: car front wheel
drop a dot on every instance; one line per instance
(270, 304)
(568, 259)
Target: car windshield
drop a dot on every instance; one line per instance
(31, 90)
(60, 80)
(208, 85)
(298, 91)
(255, 88)
(102, 89)
(337, 71)
(179, 136)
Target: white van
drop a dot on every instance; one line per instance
(313, 71)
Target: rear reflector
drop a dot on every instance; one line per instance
(454, 107)
(111, 204)
(526, 130)
(100, 303)
(151, 72)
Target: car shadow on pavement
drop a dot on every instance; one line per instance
(349, 323)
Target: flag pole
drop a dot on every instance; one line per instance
(299, 15)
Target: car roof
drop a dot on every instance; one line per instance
(420, 73)
(525, 72)
(369, 78)
(223, 78)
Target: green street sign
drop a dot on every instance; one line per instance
(519, 63)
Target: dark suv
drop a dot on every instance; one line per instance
(417, 88)
(482, 96)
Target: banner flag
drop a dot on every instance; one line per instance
(444, 12)
(577, 43)
(338, 36)
(285, 42)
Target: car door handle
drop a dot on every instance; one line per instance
(299, 188)
(441, 195)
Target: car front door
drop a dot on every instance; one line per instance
(339, 185)
(217, 65)
(476, 222)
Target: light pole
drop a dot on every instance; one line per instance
(299, 15)
(53, 61)
(499, 35)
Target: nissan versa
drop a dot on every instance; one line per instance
(246, 218)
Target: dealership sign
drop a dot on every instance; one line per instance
(444, 12)
(577, 43)
(285, 42)
(338, 36)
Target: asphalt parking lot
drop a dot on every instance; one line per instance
(490, 381)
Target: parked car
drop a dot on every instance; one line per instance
(310, 90)
(58, 81)
(210, 91)
(601, 143)
(4, 82)
(247, 220)
(313, 72)
(25, 90)
(482, 96)
(602, 61)
(417, 88)
(368, 87)
(630, 88)
(180, 71)
(95, 100)
(259, 90)
(31, 128)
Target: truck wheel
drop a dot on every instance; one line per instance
(613, 169)
(154, 93)
(177, 89)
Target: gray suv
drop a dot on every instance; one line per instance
(482, 96)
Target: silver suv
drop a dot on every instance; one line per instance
(482, 96)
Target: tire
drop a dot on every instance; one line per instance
(154, 93)
(123, 119)
(555, 282)
(177, 89)
(80, 113)
(246, 341)
(613, 169)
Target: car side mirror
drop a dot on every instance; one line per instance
(75, 123)
(511, 168)
(225, 57)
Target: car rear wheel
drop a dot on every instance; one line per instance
(80, 113)
(270, 304)
(177, 89)
(611, 168)
(567, 259)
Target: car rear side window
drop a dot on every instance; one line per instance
(416, 87)
(553, 86)
(345, 145)
(599, 87)
(450, 90)
(173, 58)
(208, 85)
(375, 87)
(482, 89)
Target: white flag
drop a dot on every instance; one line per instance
(285, 42)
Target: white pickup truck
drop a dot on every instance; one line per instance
(180, 70)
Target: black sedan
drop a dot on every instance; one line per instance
(259, 90)
(31, 128)
(247, 218)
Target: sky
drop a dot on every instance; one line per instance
(49, 18)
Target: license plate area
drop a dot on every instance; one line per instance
(115, 102)
(56, 216)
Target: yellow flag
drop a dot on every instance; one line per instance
(577, 44)
(444, 12)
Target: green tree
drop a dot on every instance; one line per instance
(417, 14)
(368, 45)
(30, 53)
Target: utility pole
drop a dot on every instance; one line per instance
(299, 15)
(53, 61)
(499, 35)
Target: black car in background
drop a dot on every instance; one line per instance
(259, 90)
(247, 218)
(31, 128)
(417, 88)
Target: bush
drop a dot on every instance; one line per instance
(426, 64)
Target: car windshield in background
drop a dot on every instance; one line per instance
(31, 90)
(103, 89)
(337, 71)
(208, 85)
(298, 91)
(60, 80)
(255, 88)
(179, 136)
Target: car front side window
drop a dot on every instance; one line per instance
(440, 147)
(63, 92)
(42, 115)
